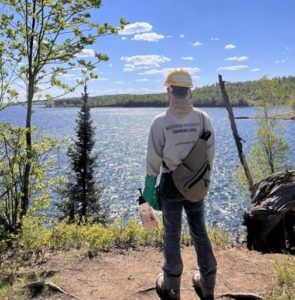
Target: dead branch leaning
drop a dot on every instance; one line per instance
(234, 129)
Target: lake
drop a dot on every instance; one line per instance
(122, 135)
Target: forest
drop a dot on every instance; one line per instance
(241, 93)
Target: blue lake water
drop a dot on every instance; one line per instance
(122, 135)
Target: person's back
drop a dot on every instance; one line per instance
(175, 137)
(172, 136)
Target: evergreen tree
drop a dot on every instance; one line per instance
(81, 196)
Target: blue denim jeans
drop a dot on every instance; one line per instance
(173, 266)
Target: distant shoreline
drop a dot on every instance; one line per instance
(241, 94)
(141, 105)
(147, 105)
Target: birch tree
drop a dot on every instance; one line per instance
(47, 37)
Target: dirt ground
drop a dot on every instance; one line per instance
(131, 275)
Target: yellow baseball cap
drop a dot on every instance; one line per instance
(179, 77)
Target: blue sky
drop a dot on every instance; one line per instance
(243, 40)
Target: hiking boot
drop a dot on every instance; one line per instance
(164, 293)
(202, 292)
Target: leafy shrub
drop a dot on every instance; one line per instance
(218, 236)
(94, 238)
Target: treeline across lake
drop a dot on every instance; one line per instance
(241, 94)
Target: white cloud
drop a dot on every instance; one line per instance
(86, 53)
(142, 80)
(102, 79)
(119, 82)
(148, 36)
(187, 58)
(233, 68)
(165, 71)
(197, 44)
(133, 67)
(138, 62)
(280, 61)
(287, 48)
(237, 58)
(134, 28)
(169, 36)
(255, 70)
(230, 46)
(124, 38)
(214, 39)
(182, 36)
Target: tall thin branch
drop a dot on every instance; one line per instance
(234, 129)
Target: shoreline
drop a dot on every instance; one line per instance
(285, 117)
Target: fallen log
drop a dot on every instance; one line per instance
(242, 118)
(239, 296)
(286, 117)
(271, 220)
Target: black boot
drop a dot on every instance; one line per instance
(164, 293)
(201, 291)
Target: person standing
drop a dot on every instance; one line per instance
(172, 137)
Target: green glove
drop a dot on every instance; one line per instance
(149, 193)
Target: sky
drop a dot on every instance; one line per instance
(242, 40)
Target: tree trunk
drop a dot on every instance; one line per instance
(27, 170)
(83, 212)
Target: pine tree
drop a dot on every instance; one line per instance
(81, 196)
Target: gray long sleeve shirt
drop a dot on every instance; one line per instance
(171, 139)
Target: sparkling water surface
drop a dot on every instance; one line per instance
(121, 141)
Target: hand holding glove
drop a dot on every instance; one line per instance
(150, 193)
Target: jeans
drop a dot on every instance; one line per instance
(173, 266)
